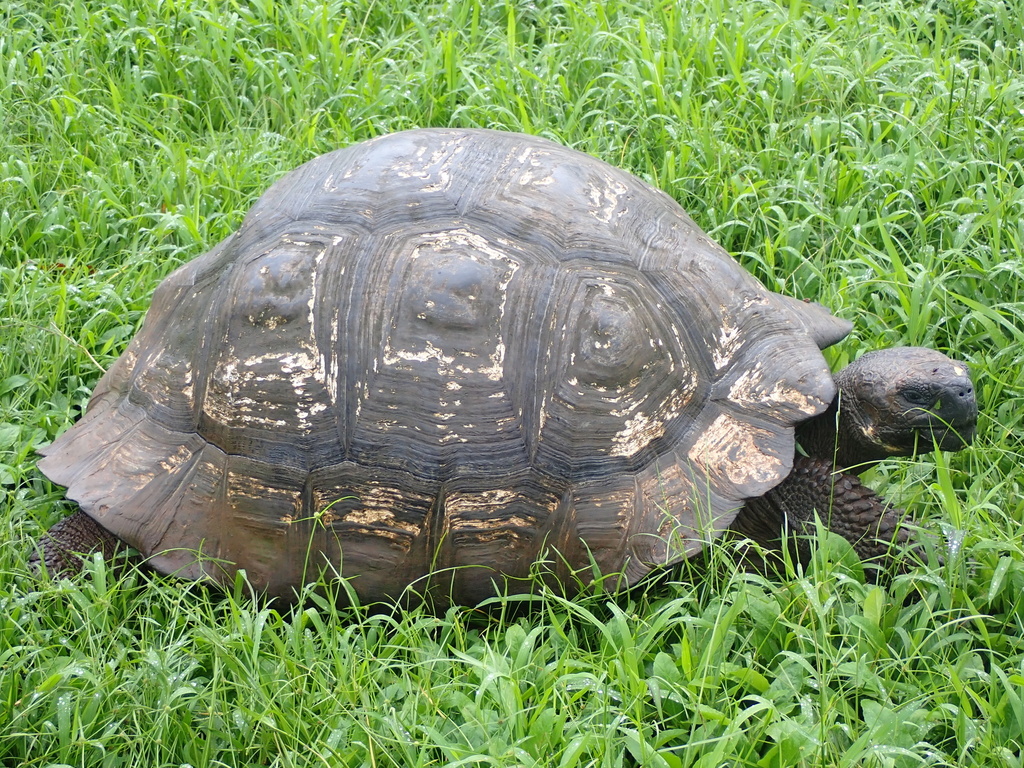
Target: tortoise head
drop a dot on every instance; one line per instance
(896, 402)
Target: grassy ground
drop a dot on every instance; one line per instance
(866, 154)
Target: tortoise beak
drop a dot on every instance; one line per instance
(952, 422)
(951, 437)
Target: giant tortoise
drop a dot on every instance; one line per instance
(443, 359)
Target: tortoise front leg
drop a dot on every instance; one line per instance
(844, 504)
(62, 548)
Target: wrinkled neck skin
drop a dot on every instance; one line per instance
(835, 437)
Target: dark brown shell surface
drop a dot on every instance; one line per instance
(454, 353)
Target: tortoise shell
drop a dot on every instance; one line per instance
(448, 352)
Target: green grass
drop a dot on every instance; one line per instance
(869, 155)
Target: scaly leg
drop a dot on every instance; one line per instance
(845, 505)
(62, 547)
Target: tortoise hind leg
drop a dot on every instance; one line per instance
(61, 549)
(839, 499)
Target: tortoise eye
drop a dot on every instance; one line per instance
(918, 397)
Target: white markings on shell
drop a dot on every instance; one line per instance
(729, 341)
(748, 390)
(537, 172)
(435, 168)
(371, 517)
(297, 368)
(239, 384)
(319, 371)
(542, 415)
(176, 459)
(730, 338)
(270, 323)
(496, 369)
(636, 435)
(444, 174)
(304, 367)
(478, 248)
(732, 448)
(468, 511)
(640, 430)
(130, 359)
(244, 486)
(429, 352)
(604, 198)
(230, 407)
(187, 387)
(331, 381)
(375, 509)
